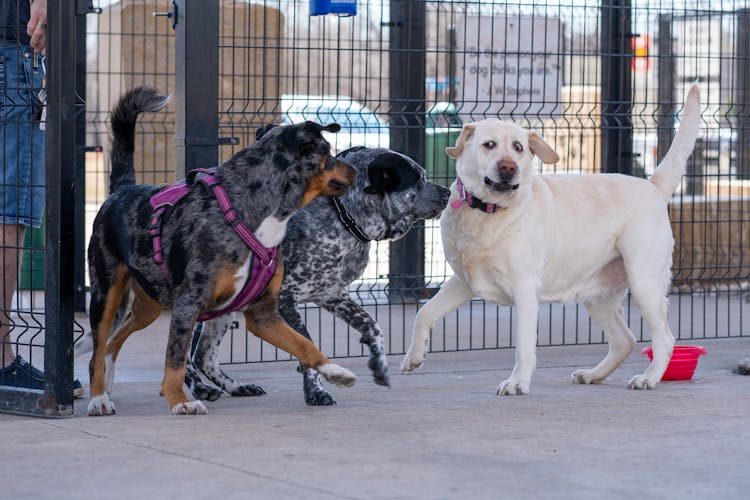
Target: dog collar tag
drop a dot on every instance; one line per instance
(457, 203)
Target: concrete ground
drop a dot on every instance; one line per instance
(440, 433)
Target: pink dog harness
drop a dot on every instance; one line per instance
(263, 259)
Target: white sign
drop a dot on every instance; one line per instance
(509, 65)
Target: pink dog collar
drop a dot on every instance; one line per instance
(464, 197)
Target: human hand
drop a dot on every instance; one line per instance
(37, 26)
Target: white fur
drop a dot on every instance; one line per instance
(271, 231)
(559, 238)
(190, 408)
(100, 405)
(109, 373)
(338, 375)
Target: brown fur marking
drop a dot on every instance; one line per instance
(319, 186)
(143, 311)
(171, 386)
(225, 287)
(264, 321)
(113, 300)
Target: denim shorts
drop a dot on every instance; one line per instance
(22, 167)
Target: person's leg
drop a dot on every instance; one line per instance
(21, 190)
(12, 237)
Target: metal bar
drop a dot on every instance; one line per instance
(79, 227)
(694, 172)
(60, 175)
(666, 99)
(451, 64)
(406, 86)
(196, 84)
(742, 94)
(617, 91)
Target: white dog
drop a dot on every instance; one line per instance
(517, 238)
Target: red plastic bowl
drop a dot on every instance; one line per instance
(683, 362)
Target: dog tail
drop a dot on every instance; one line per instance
(123, 118)
(668, 174)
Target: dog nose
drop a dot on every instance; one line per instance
(506, 170)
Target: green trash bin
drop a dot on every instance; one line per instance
(32, 261)
(443, 126)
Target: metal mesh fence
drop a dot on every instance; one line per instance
(546, 65)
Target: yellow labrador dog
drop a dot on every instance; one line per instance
(518, 238)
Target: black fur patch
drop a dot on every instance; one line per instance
(390, 172)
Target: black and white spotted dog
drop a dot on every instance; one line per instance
(326, 248)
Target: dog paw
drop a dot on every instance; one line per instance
(312, 387)
(189, 408)
(585, 377)
(512, 387)
(247, 390)
(319, 398)
(641, 382)
(337, 375)
(379, 367)
(100, 405)
(205, 393)
(412, 361)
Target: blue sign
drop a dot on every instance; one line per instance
(335, 7)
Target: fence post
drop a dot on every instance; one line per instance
(742, 94)
(59, 282)
(451, 65)
(196, 84)
(617, 92)
(79, 229)
(665, 94)
(407, 95)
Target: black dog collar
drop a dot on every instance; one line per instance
(347, 221)
(464, 197)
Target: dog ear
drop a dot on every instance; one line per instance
(317, 128)
(544, 151)
(382, 178)
(261, 131)
(304, 138)
(466, 133)
(332, 127)
(390, 172)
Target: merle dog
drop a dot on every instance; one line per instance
(325, 249)
(206, 261)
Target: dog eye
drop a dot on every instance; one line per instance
(518, 147)
(490, 145)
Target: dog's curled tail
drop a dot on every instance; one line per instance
(668, 173)
(123, 117)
